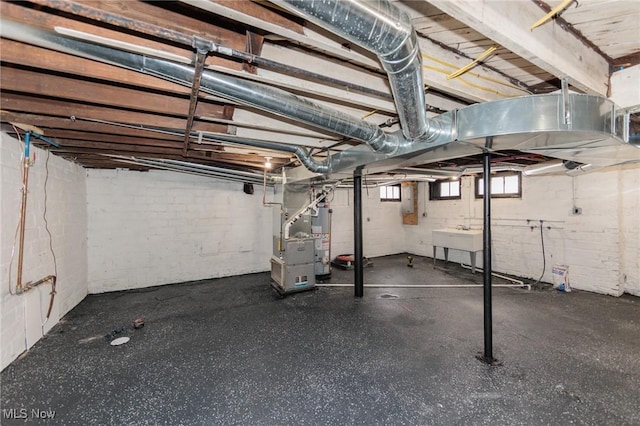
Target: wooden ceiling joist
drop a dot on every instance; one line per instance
(23, 103)
(194, 156)
(79, 129)
(75, 135)
(31, 81)
(36, 57)
(116, 110)
(148, 19)
(51, 19)
(80, 125)
(560, 56)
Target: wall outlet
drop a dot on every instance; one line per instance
(576, 211)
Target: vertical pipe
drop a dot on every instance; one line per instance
(357, 232)
(23, 207)
(486, 251)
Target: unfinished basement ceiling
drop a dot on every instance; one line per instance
(99, 113)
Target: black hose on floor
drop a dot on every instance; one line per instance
(544, 257)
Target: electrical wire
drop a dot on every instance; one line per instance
(477, 75)
(44, 215)
(544, 258)
(370, 113)
(366, 186)
(46, 225)
(468, 83)
(13, 252)
(473, 63)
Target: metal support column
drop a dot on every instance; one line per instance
(357, 233)
(486, 254)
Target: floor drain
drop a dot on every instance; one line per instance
(388, 296)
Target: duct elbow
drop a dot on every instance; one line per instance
(383, 29)
(318, 168)
(386, 143)
(311, 164)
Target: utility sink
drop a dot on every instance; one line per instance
(458, 239)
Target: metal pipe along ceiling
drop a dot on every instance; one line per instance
(301, 153)
(534, 124)
(191, 168)
(243, 91)
(378, 26)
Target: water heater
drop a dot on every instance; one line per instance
(321, 233)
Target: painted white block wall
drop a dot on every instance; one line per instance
(22, 317)
(629, 229)
(600, 245)
(382, 224)
(623, 83)
(160, 227)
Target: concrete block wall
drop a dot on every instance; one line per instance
(600, 245)
(22, 317)
(382, 224)
(160, 227)
(629, 228)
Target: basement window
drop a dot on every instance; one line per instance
(445, 190)
(503, 185)
(390, 193)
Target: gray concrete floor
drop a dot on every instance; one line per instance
(229, 351)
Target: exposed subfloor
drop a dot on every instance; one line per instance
(229, 351)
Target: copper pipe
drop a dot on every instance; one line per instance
(271, 203)
(51, 278)
(23, 217)
(20, 288)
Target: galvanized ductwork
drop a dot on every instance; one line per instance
(301, 153)
(597, 134)
(378, 26)
(243, 91)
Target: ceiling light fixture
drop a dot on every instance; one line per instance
(267, 163)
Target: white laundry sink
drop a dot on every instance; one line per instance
(458, 239)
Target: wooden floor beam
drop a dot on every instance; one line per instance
(25, 103)
(33, 82)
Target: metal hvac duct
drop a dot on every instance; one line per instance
(301, 153)
(597, 133)
(380, 27)
(236, 89)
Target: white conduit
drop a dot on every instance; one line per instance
(517, 283)
(424, 285)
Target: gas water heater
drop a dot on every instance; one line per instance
(301, 237)
(321, 232)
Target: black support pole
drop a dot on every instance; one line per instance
(357, 233)
(486, 254)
